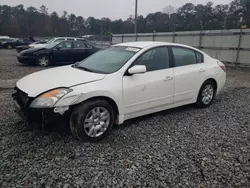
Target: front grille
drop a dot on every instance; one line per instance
(21, 97)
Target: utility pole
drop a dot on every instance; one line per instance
(136, 9)
(240, 39)
(101, 31)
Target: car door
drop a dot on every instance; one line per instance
(150, 90)
(80, 51)
(189, 73)
(62, 52)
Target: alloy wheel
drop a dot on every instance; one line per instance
(207, 94)
(43, 61)
(97, 122)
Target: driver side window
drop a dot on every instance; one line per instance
(154, 59)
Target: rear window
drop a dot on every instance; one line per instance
(199, 57)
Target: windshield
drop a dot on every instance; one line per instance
(108, 60)
(52, 45)
(50, 41)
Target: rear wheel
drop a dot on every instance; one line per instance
(206, 94)
(9, 46)
(92, 121)
(43, 61)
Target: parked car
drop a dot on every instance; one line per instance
(42, 44)
(2, 40)
(68, 51)
(118, 83)
(4, 37)
(56, 39)
(17, 42)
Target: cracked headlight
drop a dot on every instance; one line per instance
(50, 98)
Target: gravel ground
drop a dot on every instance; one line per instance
(183, 147)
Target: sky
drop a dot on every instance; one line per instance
(113, 9)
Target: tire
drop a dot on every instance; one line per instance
(85, 123)
(206, 94)
(9, 46)
(43, 61)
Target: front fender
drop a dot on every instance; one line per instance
(74, 99)
(109, 87)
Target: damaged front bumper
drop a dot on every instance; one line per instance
(35, 117)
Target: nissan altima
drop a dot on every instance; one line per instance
(118, 83)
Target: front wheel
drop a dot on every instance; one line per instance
(206, 94)
(92, 120)
(43, 61)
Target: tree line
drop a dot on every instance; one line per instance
(17, 21)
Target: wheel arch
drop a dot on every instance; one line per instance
(199, 93)
(212, 80)
(108, 99)
(208, 79)
(8, 44)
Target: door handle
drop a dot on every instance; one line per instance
(168, 78)
(202, 70)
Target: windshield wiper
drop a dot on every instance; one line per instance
(82, 68)
(87, 69)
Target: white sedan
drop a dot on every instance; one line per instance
(118, 83)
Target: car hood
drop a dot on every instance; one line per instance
(30, 51)
(66, 76)
(22, 46)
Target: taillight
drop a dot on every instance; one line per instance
(222, 66)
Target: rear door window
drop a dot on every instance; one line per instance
(184, 56)
(80, 44)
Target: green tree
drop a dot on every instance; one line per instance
(19, 22)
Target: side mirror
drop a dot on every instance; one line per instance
(137, 69)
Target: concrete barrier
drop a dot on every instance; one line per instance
(230, 46)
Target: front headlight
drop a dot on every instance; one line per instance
(49, 99)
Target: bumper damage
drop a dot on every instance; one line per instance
(39, 118)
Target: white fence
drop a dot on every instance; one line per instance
(231, 46)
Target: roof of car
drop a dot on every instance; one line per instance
(70, 38)
(144, 44)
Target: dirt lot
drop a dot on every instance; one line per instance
(183, 147)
